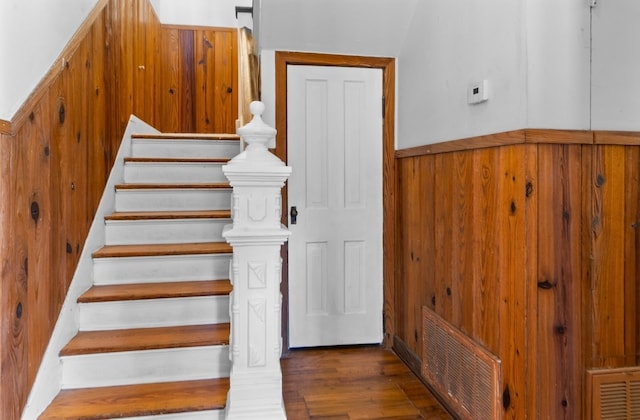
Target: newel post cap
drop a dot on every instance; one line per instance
(256, 133)
(256, 158)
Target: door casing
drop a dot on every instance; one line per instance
(282, 60)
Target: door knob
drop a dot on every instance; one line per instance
(294, 215)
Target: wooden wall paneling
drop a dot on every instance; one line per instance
(142, 70)
(462, 243)
(444, 228)
(123, 22)
(510, 327)
(60, 244)
(15, 312)
(416, 247)
(188, 91)
(6, 275)
(216, 80)
(559, 281)
(485, 249)
(632, 256)
(169, 96)
(403, 265)
(529, 353)
(100, 141)
(607, 287)
(79, 91)
(227, 109)
(209, 84)
(590, 204)
(41, 308)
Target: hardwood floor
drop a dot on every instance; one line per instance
(354, 383)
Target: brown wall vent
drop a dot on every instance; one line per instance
(463, 372)
(614, 393)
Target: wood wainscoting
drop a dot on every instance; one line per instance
(58, 150)
(527, 241)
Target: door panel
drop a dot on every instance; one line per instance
(335, 252)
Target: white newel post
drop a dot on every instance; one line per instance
(257, 177)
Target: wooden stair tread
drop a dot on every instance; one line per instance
(186, 136)
(175, 160)
(150, 250)
(138, 400)
(157, 215)
(184, 186)
(140, 291)
(109, 341)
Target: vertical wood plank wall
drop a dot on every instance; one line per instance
(56, 157)
(529, 244)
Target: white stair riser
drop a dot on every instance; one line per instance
(192, 415)
(160, 269)
(145, 366)
(149, 313)
(172, 199)
(133, 232)
(185, 148)
(171, 173)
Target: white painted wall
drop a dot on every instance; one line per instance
(536, 55)
(450, 44)
(32, 35)
(356, 27)
(216, 13)
(558, 68)
(616, 66)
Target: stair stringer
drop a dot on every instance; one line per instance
(48, 380)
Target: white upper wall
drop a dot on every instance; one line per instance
(33, 33)
(558, 56)
(450, 45)
(216, 13)
(356, 27)
(534, 53)
(615, 88)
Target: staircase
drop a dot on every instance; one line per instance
(153, 329)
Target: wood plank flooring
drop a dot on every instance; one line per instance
(354, 383)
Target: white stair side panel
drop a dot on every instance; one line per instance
(145, 366)
(172, 199)
(164, 231)
(192, 415)
(160, 268)
(173, 172)
(184, 148)
(147, 313)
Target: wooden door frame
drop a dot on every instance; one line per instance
(282, 60)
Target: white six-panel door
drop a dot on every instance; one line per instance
(334, 132)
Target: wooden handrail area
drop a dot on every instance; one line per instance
(527, 241)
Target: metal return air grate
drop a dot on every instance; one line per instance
(463, 372)
(614, 393)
